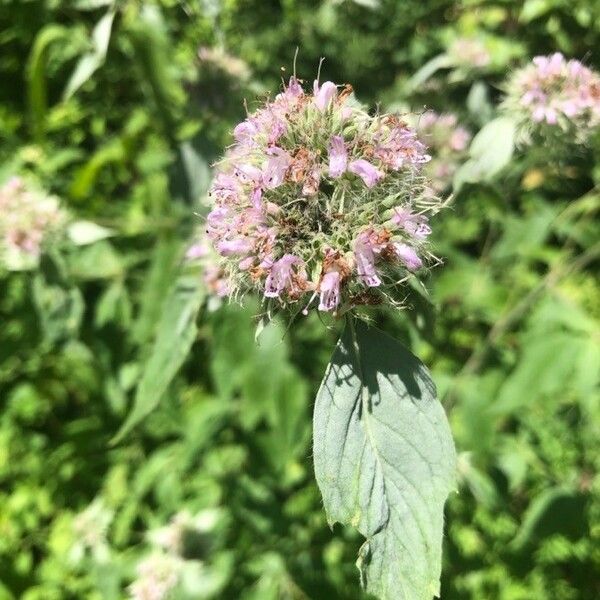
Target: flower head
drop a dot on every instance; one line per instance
(554, 95)
(448, 143)
(313, 197)
(28, 217)
(157, 576)
(469, 53)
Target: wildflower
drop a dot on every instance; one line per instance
(338, 157)
(415, 224)
(408, 256)
(366, 171)
(283, 277)
(554, 95)
(469, 53)
(324, 94)
(90, 528)
(329, 289)
(157, 576)
(364, 253)
(312, 199)
(448, 142)
(28, 217)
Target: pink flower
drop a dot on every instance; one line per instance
(276, 168)
(459, 139)
(233, 247)
(245, 131)
(329, 289)
(338, 156)
(414, 224)
(408, 256)
(364, 252)
(281, 276)
(398, 146)
(196, 251)
(324, 95)
(366, 171)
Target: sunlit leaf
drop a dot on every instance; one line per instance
(175, 335)
(384, 461)
(91, 61)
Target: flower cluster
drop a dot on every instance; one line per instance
(159, 573)
(319, 203)
(213, 275)
(469, 53)
(27, 218)
(554, 94)
(448, 143)
(90, 528)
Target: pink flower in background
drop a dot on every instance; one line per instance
(28, 218)
(448, 142)
(556, 92)
(157, 576)
(469, 53)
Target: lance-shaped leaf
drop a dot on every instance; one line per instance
(175, 335)
(385, 461)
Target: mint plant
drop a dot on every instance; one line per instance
(319, 205)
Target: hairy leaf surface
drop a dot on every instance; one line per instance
(384, 461)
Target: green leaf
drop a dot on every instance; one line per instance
(82, 233)
(557, 510)
(441, 61)
(491, 150)
(36, 76)
(91, 61)
(385, 461)
(174, 338)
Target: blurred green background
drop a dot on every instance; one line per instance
(119, 109)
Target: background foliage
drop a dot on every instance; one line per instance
(111, 107)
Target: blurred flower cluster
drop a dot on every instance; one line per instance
(90, 528)
(469, 53)
(447, 141)
(213, 275)
(553, 94)
(318, 202)
(160, 572)
(28, 217)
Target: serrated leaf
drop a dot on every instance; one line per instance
(175, 335)
(385, 461)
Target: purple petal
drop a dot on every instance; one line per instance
(338, 157)
(324, 94)
(233, 247)
(366, 171)
(329, 291)
(408, 256)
